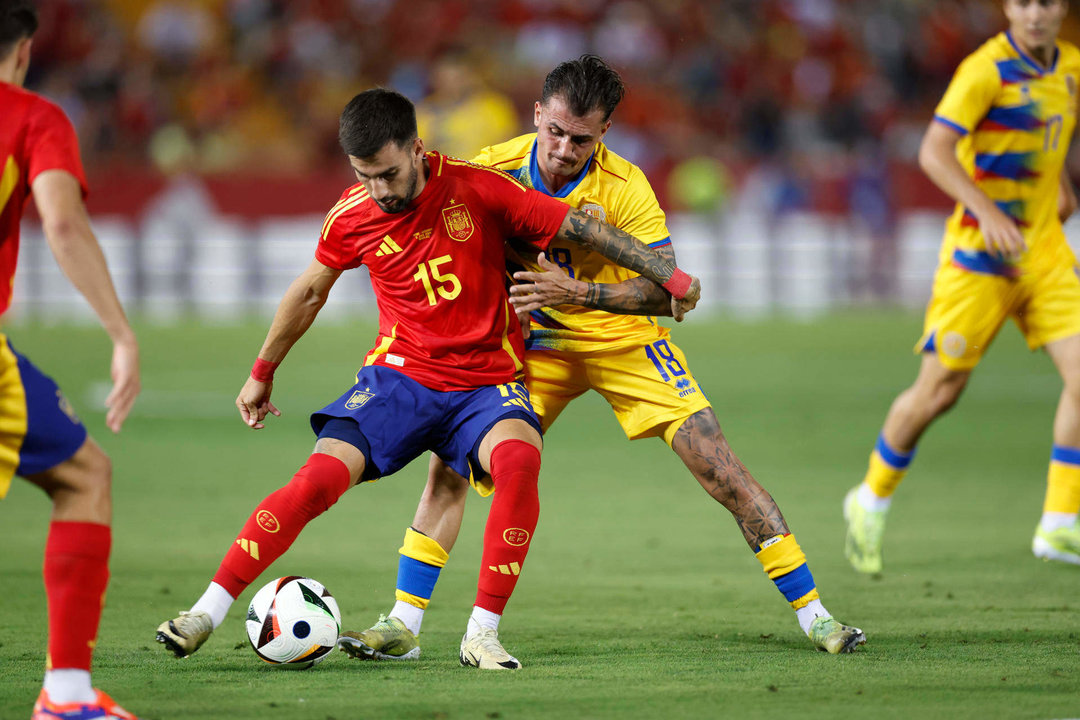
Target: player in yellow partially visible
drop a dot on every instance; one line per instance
(997, 145)
(613, 346)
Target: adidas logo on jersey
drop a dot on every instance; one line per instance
(387, 247)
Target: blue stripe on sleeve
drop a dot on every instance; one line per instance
(896, 459)
(416, 578)
(661, 243)
(949, 123)
(1065, 454)
(796, 583)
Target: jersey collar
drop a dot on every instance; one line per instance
(565, 190)
(1030, 60)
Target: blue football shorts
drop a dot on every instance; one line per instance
(397, 419)
(38, 428)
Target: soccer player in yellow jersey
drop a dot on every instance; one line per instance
(612, 346)
(996, 145)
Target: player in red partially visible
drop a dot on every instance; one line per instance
(445, 373)
(41, 439)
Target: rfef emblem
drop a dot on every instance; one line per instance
(267, 522)
(516, 536)
(459, 224)
(358, 399)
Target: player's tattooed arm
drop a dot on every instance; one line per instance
(705, 450)
(553, 286)
(624, 249)
(616, 245)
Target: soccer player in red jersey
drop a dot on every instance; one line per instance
(445, 372)
(41, 439)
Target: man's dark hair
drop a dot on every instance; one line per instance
(374, 118)
(18, 20)
(585, 84)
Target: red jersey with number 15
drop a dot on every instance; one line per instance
(35, 136)
(438, 270)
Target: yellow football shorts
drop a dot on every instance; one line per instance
(649, 386)
(967, 309)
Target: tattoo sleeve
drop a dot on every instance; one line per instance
(636, 296)
(620, 247)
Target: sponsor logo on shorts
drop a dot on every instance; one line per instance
(953, 344)
(516, 536)
(65, 407)
(267, 521)
(685, 387)
(358, 399)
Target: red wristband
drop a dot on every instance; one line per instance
(678, 284)
(263, 370)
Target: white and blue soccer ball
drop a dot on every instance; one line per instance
(293, 621)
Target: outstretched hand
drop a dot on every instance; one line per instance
(254, 403)
(126, 385)
(551, 287)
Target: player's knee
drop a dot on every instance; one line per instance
(321, 482)
(90, 472)
(938, 392)
(947, 391)
(447, 486)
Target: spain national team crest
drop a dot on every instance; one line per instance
(358, 399)
(459, 224)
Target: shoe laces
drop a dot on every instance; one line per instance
(194, 621)
(488, 639)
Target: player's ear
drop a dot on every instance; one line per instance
(603, 132)
(536, 114)
(22, 59)
(418, 147)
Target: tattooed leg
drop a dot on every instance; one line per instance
(705, 451)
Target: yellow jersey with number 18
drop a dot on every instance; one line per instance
(1017, 118)
(609, 188)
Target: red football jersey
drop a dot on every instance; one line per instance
(439, 271)
(35, 136)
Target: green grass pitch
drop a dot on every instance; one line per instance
(640, 598)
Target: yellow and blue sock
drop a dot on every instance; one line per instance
(785, 564)
(1062, 503)
(422, 559)
(888, 467)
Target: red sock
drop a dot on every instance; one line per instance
(515, 507)
(279, 518)
(76, 573)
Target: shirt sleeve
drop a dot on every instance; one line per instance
(51, 144)
(970, 94)
(639, 213)
(528, 215)
(334, 250)
(483, 157)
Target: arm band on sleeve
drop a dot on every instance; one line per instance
(678, 284)
(263, 370)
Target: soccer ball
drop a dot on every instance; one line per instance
(293, 621)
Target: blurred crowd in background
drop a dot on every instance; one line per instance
(825, 95)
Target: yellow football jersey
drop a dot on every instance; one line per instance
(1017, 119)
(609, 188)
